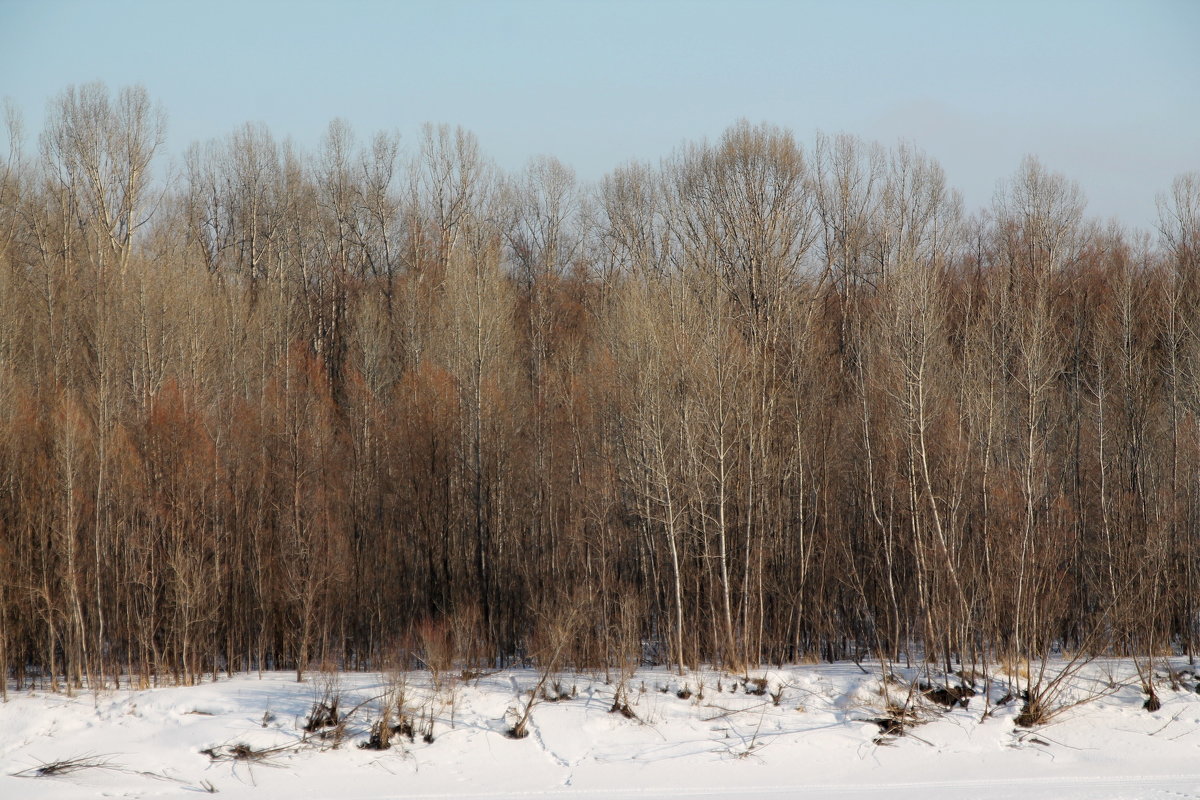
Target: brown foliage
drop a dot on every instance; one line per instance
(762, 404)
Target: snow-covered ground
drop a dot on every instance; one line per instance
(809, 735)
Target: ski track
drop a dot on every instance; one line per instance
(1140, 786)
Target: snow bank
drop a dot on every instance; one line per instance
(813, 729)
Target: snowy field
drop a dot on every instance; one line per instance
(815, 731)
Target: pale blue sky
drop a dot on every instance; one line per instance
(1106, 92)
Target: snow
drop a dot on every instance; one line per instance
(816, 741)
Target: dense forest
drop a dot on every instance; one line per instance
(262, 408)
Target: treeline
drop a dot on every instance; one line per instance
(760, 402)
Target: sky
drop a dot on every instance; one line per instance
(1107, 93)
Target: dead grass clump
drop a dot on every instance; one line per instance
(427, 721)
(240, 751)
(324, 712)
(66, 766)
(380, 737)
(1015, 668)
(1032, 713)
(323, 715)
(1148, 678)
(398, 717)
(890, 725)
(622, 708)
(902, 709)
(555, 693)
(948, 696)
(382, 730)
(620, 704)
(405, 728)
(897, 720)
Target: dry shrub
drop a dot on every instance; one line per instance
(466, 624)
(556, 630)
(437, 647)
(324, 712)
